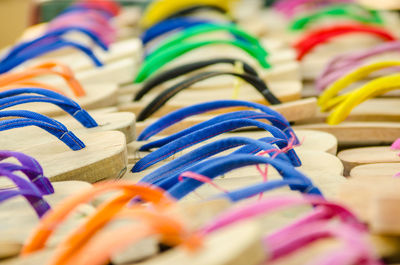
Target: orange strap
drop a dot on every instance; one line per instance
(98, 220)
(53, 218)
(47, 68)
(110, 242)
(31, 84)
(131, 234)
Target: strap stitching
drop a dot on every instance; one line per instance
(44, 125)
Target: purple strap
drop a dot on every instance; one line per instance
(26, 189)
(343, 64)
(30, 167)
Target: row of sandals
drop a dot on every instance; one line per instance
(164, 154)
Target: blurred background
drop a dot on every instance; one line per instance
(17, 15)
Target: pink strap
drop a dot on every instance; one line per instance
(396, 145)
(291, 7)
(267, 206)
(300, 236)
(91, 20)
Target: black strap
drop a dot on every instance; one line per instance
(185, 69)
(193, 9)
(169, 93)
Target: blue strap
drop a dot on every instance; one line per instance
(246, 117)
(50, 37)
(29, 118)
(221, 165)
(181, 114)
(207, 133)
(181, 163)
(250, 191)
(224, 117)
(8, 64)
(169, 25)
(34, 197)
(13, 97)
(253, 149)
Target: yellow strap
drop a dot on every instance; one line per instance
(238, 68)
(376, 87)
(161, 9)
(329, 99)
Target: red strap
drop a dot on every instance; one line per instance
(320, 36)
(108, 5)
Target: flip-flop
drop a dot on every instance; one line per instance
(112, 211)
(90, 97)
(186, 117)
(36, 243)
(97, 156)
(209, 127)
(312, 64)
(372, 123)
(18, 219)
(258, 210)
(37, 191)
(242, 50)
(254, 211)
(343, 64)
(205, 28)
(199, 154)
(283, 80)
(78, 120)
(161, 10)
(331, 99)
(97, 57)
(327, 177)
(289, 27)
(199, 113)
(243, 46)
(129, 48)
(157, 105)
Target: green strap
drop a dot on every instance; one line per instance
(156, 62)
(204, 29)
(352, 12)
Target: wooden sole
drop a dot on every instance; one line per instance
(368, 155)
(104, 157)
(97, 96)
(17, 218)
(30, 136)
(378, 170)
(359, 133)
